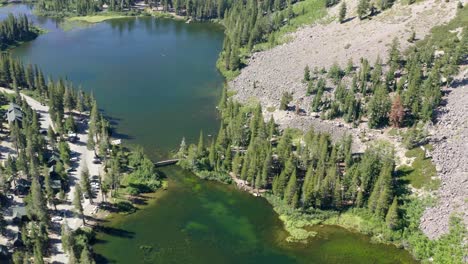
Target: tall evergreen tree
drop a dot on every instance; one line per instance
(78, 202)
(342, 14)
(392, 217)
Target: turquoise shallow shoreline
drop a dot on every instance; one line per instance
(197, 221)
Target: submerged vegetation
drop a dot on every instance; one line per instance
(306, 177)
(310, 179)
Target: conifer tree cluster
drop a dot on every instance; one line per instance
(29, 163)
(16, 29)
(304, 170)
(32, 159)
(72, 7)
(250, 22)
(401, 92)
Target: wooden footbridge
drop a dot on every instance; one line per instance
(166, 162)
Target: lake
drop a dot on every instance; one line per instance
(157, 81)
(155, 78)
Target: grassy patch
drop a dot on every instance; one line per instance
(306, 13)
(296, 222)
(393, 132)
(96, 18)
(420, 174)
(228, 74)
(296, 230)
(441, 34)
(271, 109)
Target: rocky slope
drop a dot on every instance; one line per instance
(281, 68)
(450, 155)
(270, 73)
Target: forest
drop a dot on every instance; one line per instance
(316, 177)
(14, 30)
(126, 172)
(402, 92)
(246, 23)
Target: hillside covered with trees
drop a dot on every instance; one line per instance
(308, 176)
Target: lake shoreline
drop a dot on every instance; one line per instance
(124, 216)
(297, 223)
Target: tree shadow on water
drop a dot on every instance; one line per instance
(102, 260)
(117, 232)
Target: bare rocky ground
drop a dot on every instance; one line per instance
(270, 73)
(281, 69)
(450, 155)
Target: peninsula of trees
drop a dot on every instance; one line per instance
(14, 30)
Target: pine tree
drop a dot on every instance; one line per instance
(350, 67)
(382, 191)
(397, 113)
(201, 144)
(86, 184)
(67, 238)
(236, 164)
(78, 202)
(227, 162)
(306, 73)
(234, 59)
(285, 100)
(392, 217)
(38, 257)
(265, 170)
(90, 143)
(342, 14)
(394, 54)
(223, 101)
(67, 100)
(50, 194)
(72, 258)
(291, 188)
(362, 8)
(212, 154)
(182, 149)
(308, 188)
(94, 125)
(379, 107)
(377, 71)
(85, 257)
(360, 196)
(37, 208)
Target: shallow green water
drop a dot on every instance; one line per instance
(157, 80)
(195, 221)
